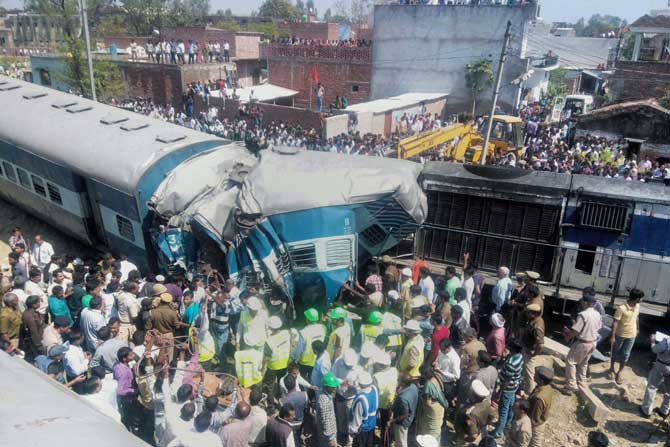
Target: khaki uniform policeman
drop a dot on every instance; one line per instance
(532, 341)
(412, 356)
(540, 401)
(584, 336)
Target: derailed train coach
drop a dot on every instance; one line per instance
(298, 221)
(576, 231)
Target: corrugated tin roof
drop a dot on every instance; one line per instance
(395, 102)
(624, 107)
(574, 53)
(648, 21)
(91, 142)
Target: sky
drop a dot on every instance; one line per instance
(551, 10)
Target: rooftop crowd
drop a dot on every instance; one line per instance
(405, 357)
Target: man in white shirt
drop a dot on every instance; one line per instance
(127, 308)
(42, 252)
(199, 435)
(92, 319)
(426, 284)
(57, 279)
(19, 291)
(126, 267)
(76, 360)
(448, 364)
(34, 287)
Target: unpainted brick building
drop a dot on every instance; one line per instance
(343, 71)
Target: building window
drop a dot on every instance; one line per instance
(24, 180)
(54, 193)
(354, 88)
(125, 228)
(38, 185)
(9, 171)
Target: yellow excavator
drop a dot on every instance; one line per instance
(464, 143)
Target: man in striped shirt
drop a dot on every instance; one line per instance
(510, 377)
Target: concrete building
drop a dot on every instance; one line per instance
(647, 73)
(343, 71)
(585, 58)
(425, 48)
(645, 124)
(33, 31)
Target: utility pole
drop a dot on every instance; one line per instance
(84, 20)
(496, 92)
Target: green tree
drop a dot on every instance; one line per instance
(353, 11)
(187, 12)
(557, 83)
(327, 16)
(143, 16)
(300, 5)
(107, 76)
(478, 77)
(278, 9)
(112, 25)
(309, 5)
(228, 13)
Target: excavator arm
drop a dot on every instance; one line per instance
(417, 144)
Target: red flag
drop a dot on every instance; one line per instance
(315, 75)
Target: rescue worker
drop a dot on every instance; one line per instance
(346, 370)
(340, 339)
(660, 373)
(370, 331)
(304, 353)
(248, 365)
(392, 325)
(277, 354)
(584, 335)
(363, 417)
(368, 351)
(540, 402)
(532, 341)
(406, 284)
(385, 378)
(412, 356)
(253, 320)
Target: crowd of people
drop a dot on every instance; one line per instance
(294, 40)
(404, 358)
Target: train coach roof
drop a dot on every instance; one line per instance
(37, 410)
(108, 144)
(440, 175)
(618, 188)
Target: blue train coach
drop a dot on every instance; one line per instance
(87, 168)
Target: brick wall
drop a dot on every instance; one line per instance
(242, 44)
(640, 80)
(308, 119)
(342, 71)
(165, 83)
(314, 30)
(162, 83)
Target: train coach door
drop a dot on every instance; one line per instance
(94, 224)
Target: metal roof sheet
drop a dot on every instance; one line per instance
(394, 102)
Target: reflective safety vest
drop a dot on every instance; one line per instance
(310, 334)
(369, 403)
(392, 322)
(280, 348)
(387, 383)
(248, 365)
(369, 332)
(206, 348)
(417, 343)
(344, 333)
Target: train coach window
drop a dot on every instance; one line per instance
(24, 180)
(9, 171)
(38, 185)
(586, 257)
(125, 228)
(54, 194)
